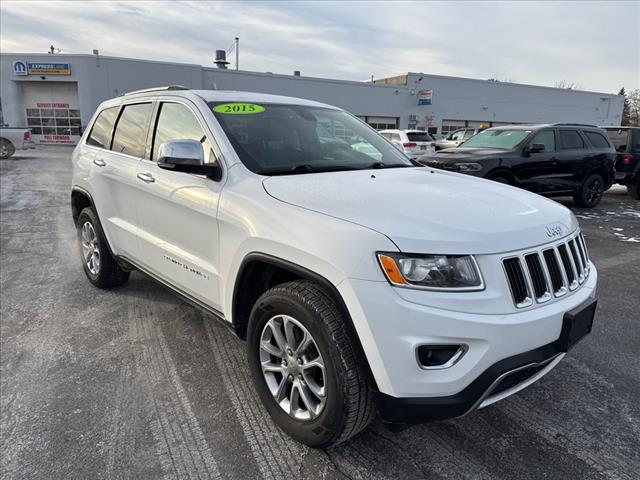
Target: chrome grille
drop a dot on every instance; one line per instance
(546, 273)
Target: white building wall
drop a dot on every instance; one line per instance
(99, 78)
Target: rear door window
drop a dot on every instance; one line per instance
(546, 138)
(597, 140)
(100, 135)
(468, 133)
(131, 130)
(570, 140)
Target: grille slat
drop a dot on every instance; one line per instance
(557, 280)
(583, 255)
(517, 281)
(536, 273)
(566, 263)
(554, 270)
(576, 260)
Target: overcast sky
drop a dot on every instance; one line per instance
(593, 44)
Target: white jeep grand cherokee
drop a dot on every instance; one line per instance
(362, 283)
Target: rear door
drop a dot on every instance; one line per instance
(116, 156)
(177, 212)
(574, 159)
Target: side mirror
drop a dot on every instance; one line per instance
(536, 148)
(186, 156)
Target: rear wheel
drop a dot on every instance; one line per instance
(590, 192)
(6, 149)
(305, 367)
(101, 268)
(634, 191)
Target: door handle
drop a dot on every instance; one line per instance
(146, 177)
(99, 162)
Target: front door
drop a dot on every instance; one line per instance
(536, 171)
(177, 224)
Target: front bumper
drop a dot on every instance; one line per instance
(502, 379)
(391, 325)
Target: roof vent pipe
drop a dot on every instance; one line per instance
(296, 73)
(221, 59)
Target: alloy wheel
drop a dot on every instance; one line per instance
(293, 367)
(594, 191)
(90, 248)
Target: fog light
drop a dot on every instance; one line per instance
(435, 357)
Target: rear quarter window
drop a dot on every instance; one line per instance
(597, 140)
(100, 135)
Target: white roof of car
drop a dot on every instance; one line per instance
(220, 96)
(236, 96)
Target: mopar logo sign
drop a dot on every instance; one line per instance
(19, 68)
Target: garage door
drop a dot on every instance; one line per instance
(53, 111)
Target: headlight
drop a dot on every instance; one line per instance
(469, 167)
(433, 272)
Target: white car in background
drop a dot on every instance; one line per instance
(414, 143)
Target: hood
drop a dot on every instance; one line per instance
(428, 211)
(461, 153)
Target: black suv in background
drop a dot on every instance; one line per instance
(626, 141)
(552, 160)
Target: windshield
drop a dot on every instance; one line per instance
(419, 137)
(502, 139)
(277, 139)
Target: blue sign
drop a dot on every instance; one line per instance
(49, 69)
(19, 68)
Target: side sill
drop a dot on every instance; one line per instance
(129, 264)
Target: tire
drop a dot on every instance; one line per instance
(634, 191)
(101, 268)
(590, 192)
(500, 179)
(349, 404)
(6, 149)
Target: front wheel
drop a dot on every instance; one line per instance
(500, 179)
(590, 192)
(305, 367)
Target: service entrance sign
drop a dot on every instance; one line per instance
(425, 97)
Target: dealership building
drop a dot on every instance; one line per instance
(56, 95)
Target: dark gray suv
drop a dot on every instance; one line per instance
(551, 160)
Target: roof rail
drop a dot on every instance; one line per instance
(573, 125)
(158, 89)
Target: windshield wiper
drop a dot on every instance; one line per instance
(305, 168)
(377, 165)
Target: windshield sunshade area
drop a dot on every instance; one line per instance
(500, 139)
(279, 139)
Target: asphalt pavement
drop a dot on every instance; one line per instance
(134, 383)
